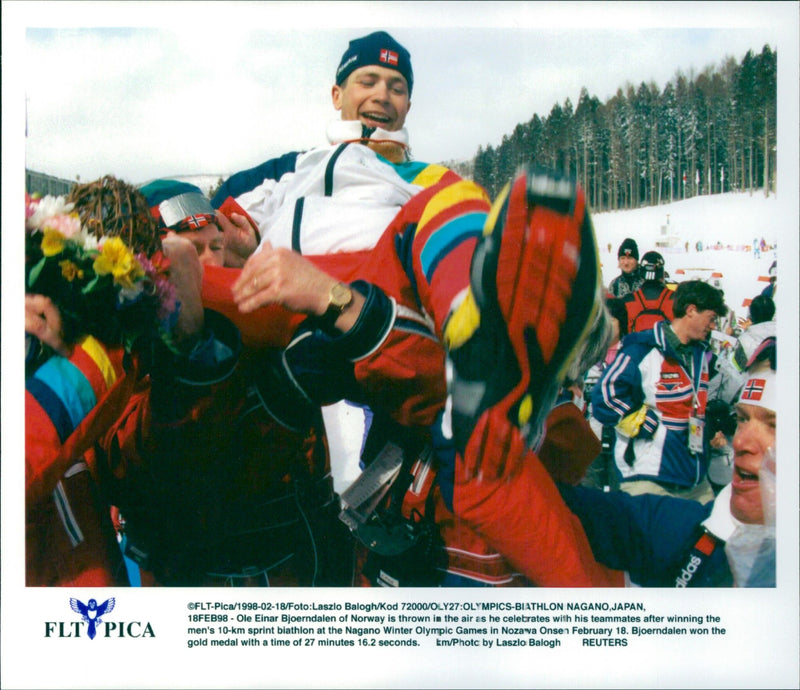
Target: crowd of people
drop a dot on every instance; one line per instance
(520, 420)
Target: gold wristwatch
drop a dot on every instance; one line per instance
(339, 298)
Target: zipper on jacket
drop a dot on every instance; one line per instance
(329, 169)
(328, 191)
(296, 221)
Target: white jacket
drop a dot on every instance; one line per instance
(339, 198)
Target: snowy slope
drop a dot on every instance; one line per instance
(731, 221)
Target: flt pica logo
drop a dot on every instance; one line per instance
(93, 622)
(91, 612)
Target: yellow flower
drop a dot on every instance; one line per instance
(115, 258)
(52, 242)
(70, 271)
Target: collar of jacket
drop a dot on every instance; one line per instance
(721, 522)
(672, 346)
(340, 131)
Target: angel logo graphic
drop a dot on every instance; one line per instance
(94, 616)
(91, 612)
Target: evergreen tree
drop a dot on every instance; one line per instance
(698, 135)
(766, 97)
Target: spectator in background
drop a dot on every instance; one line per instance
(629, 279)
(732, 360)
(771, 289)
(761, 309)
(655, 393)
(652, 301)
(759, 326)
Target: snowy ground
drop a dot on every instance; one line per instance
(732, 221)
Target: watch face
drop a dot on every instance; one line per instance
(341, 296)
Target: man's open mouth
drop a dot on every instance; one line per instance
(377, 118)
(745, 475)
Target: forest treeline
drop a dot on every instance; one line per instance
(705, 134)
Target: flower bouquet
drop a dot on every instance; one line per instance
(97, 256)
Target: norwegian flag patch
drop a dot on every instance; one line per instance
(388, 56)
(753, 389)
(195, 222)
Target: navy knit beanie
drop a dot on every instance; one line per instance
(377, 48)
(628, 248)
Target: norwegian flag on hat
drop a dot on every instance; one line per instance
(191, 223)
(388, 56)
(753, 390)
(760, 388)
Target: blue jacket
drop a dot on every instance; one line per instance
(653, 538)
(247, 180)
(646, 376)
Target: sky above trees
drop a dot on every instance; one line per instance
(187, 88)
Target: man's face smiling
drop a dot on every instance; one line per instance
(755, 432)
(376, 96)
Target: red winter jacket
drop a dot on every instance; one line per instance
(69, 403)
(211, 488)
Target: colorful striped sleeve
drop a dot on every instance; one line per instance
(443, 243)
(67, 389)
(424, 174)
(59, 396)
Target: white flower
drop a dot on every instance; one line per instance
(47, 208)
(130, 294)
(87, 240)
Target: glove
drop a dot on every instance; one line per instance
(642, 423)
